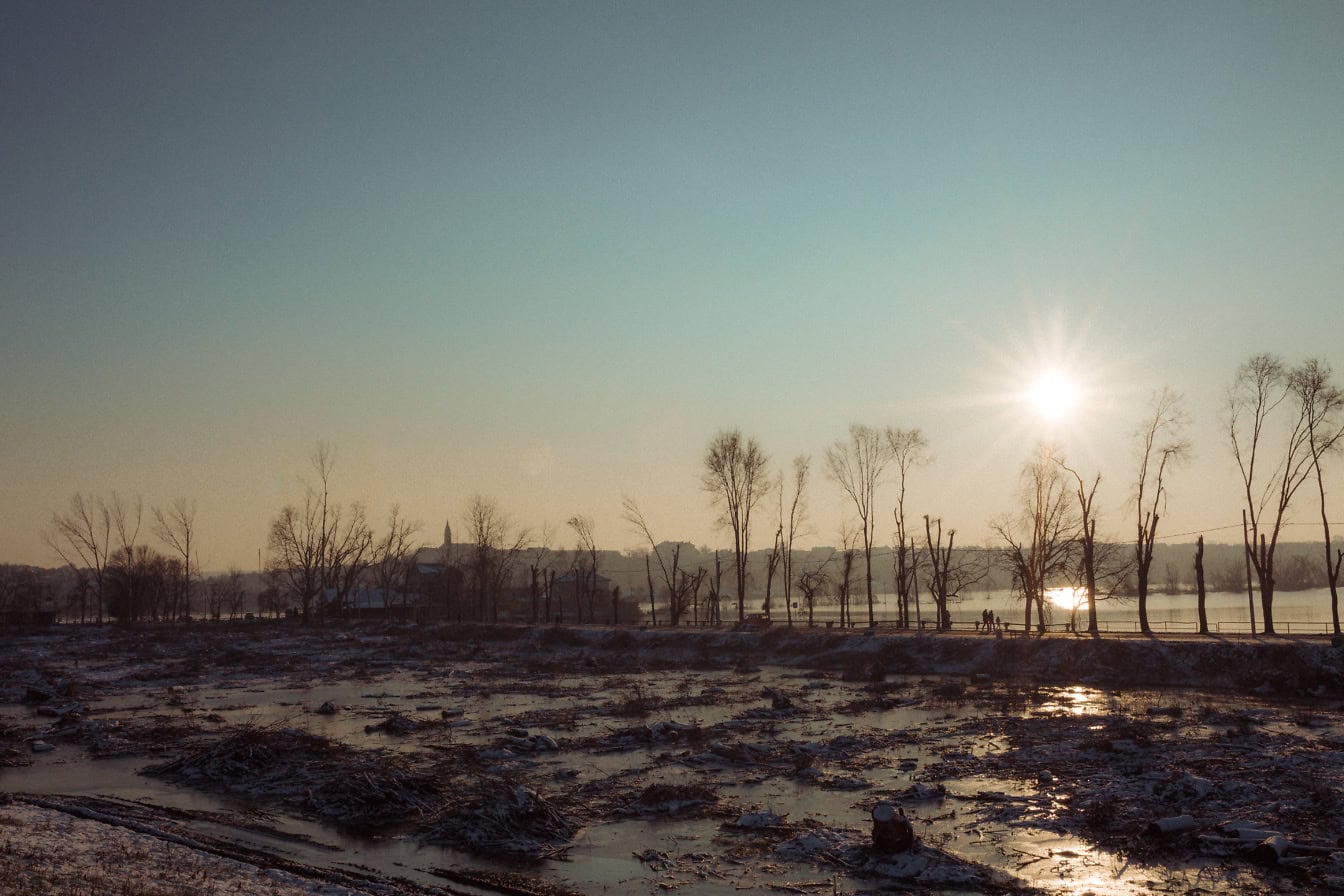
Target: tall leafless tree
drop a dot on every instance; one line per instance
(539, 570)
(82, 538)
(320, 546)
(679, 585)
(735, 475)
(856, 466)
(1087, 545)
(1322, 407)
(1160, 445)
(392, 557)
(792, 523)
(949, 573)
(175, 527)
(1039, 542)
(909, 449)
(585, 564)
(298, 551)
(848, 538)
(772, 563)
(1254, 420)
(496, 546)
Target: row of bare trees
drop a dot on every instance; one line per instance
(1283, 424)
(100, 535)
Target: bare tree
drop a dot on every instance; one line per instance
(140, 582)
(1161, 444)
(82, 538)
(792, 520)
(857, 465)
(538, 568)
(321, 546)
(226, 594)
(909, 449)
(126, 520)
(735, 476)
(1087, 543)
(1253, 419)
(949, 573)
(495, 550)
(585, 568)
(680, 586)
(813, 583)
(175, 528)
(350, 550)
(393, 557)
(298, 551)
(847, 539)
(772, 563)
(1322, 407)
(1039, 542)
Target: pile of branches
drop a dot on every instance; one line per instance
(507, 820)
(312, 774)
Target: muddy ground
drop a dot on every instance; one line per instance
(274, 758)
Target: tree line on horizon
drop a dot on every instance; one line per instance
(1283, 424)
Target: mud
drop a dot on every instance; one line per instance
(564, 760)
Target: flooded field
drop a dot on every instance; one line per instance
(557, 760)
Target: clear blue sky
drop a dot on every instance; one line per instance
(544, 251)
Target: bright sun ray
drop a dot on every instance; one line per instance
(1052, 376)
(1053, 395)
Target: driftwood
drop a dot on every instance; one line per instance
(1269, 851)
(1173, 825)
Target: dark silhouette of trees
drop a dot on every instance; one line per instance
(496, 547)
(813, 584)
(1087, 547)
(856, 466)
(585, 565)
(226, 594)
(843, 593)
(1322, 408)
(140, 584)
(909, 449)
(175, 527)
(1262, 387)
(676, 581)
(1160, 445)
(82, 538)
(321, 545)
(735, 475)
(392, 557)
(949, 573)
(1040, 541)
(792, 520)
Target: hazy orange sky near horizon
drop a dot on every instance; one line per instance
(544, 252)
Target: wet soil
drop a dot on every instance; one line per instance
(561, 760)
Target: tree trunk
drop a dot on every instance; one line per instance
(1266, 568)
(1199, 584)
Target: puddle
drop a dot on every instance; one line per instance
(998, 775)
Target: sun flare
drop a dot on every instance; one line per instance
(1064, 598)
(1053, 395)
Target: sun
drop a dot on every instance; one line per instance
(1053, 395)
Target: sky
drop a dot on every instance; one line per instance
(543, 252)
